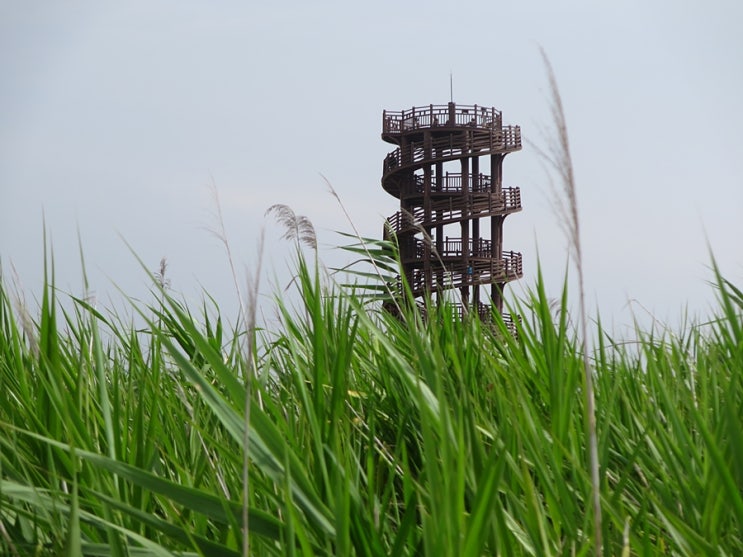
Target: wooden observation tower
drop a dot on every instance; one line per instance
(447, 172)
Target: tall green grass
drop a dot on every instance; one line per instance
(368, 434)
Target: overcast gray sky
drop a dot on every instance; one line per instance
(115, 118)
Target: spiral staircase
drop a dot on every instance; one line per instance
(447, 173)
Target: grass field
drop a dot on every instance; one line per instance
(346, 431)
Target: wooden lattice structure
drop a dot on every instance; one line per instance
(447, 172)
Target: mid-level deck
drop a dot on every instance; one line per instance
(414, 154)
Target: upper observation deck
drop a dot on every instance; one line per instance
(439, 118)
(439, 133)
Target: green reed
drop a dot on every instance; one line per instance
(368, 434)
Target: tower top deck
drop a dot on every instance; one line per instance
(444, 117)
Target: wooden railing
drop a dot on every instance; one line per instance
(454, 247)
(511, 199)
(414, 154)
(453, 183)
(455, 274)
(455, 209)
(483, 311)
(431, 116)
(481, 183)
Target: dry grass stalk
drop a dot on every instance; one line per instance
(558, 157)
(297, 228)
(247, 316)
(21, 308)
(250, 327)
(159, 275)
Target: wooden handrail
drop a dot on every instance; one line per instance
(454, 247)
(455, 209)
(453, 183)
(458, 273)
(413, 155)
(448, 115)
